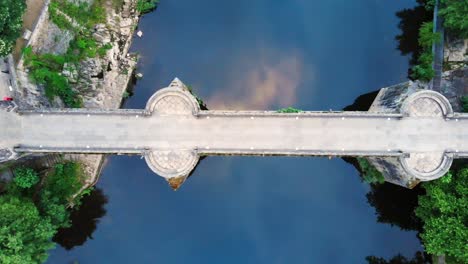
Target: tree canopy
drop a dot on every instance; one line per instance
(31, 213)
(444, 211)
(11, 22)
(25, 177)
(455, 14)
(24, 234)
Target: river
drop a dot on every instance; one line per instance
(254, 54)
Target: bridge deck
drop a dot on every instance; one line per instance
(243, 132)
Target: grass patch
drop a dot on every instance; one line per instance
(82, 13)
(289, 110)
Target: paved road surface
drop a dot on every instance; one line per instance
(334, 134)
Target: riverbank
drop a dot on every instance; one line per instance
(99, 81)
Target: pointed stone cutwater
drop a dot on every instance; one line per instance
(176, 182)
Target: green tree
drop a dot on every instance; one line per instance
(455, 14)
(11, 22)
(24, 234)
(444, 212)
(25, 177)
(59, 191)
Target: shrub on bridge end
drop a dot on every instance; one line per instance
(464, 102)
(369, 173)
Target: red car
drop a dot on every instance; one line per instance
(6, 98)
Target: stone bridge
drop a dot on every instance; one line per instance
(172, 133)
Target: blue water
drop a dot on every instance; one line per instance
(254, 54)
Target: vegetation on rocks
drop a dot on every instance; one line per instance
(444, 212)
(32, 212)
(200, 102)
(369, 173)
(146, 6)
(46, 69)
(11, 23)
(76, 16)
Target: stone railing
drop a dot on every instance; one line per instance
(82, 111)
(296, 152)
(305, 114)
(79, 150)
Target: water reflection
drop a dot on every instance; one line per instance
(84, 221)
(254, 210)
(419, 258)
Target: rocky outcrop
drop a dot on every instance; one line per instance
(456, 50)
(101, 81)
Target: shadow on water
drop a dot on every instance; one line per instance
(393, 204)
(84, 221)
(410, 22)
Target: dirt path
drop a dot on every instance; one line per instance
(30, 17)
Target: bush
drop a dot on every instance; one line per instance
(11, 23)
(369, 173)
(444, 211)
(146, 6)
(25, 177)
(289, 110)
(423, 70)
(464, 101)
(427, 36)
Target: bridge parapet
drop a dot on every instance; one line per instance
(7, 154)
(427, 103)
(173, 100)
(305, 114)
(428, 165)
(83, 111)
(173, 165)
